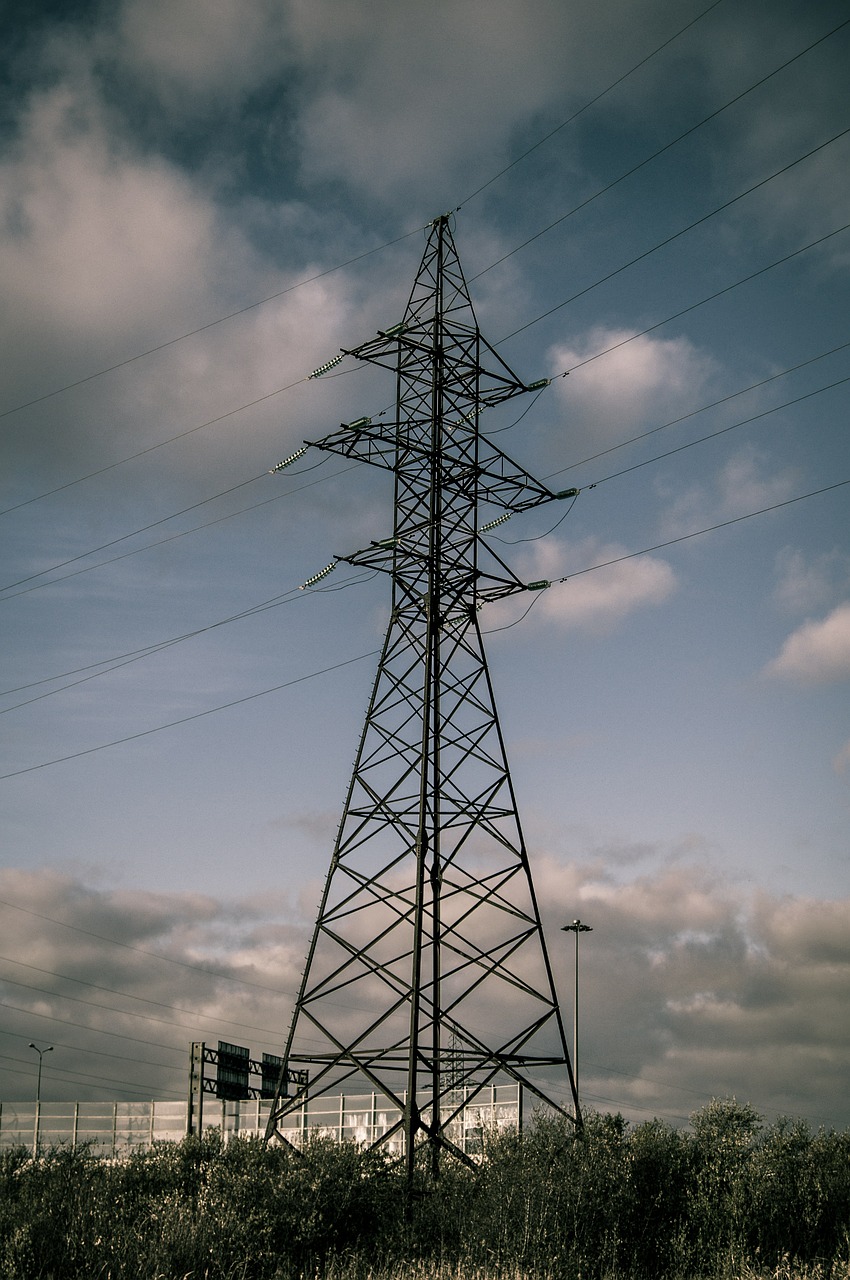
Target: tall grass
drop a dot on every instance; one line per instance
(727, 1198)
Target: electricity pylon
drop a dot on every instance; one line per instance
(428, 968)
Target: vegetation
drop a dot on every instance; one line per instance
(727, 1198)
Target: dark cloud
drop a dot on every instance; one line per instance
(99, 973)
(687, 990)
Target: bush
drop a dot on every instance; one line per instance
(729, 1198)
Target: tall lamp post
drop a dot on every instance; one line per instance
(37, 1126)
(576, 927)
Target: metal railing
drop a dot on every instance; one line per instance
(114, 1129)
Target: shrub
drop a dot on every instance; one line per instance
(729, 1198)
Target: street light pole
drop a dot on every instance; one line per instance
(576, 927)
(37, 1126)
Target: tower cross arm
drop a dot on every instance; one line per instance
(364, 440)
(378, 555)
(503, 481)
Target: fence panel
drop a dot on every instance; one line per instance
(117, 1128)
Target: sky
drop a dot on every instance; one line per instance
(201, 204)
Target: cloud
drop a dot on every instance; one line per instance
(798, 110)
(817, 652)
(841, 763)
(807, 583)
(810, 200)
(596, 601)
(741, 485)
(394, 99)
(109, 249)
(97, 239)
(644, 380)
(99, 973)
(190, 52)
(688, 990)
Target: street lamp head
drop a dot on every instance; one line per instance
(576, 927)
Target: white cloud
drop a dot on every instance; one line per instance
(104, 250)
(645, 379)
(98, 235)
(817, 652)
(188, 49)
(741, 486)
(99, 973)
(595, 601)
(807, 583)
(688, 990)
(108, 250)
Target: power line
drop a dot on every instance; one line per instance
(118, 660)
(74, 1077)
(575, 296)
(753, 386)
(580, 364)
(724, 524)
(339, 266)
(349, 661)
(183, 533)
(137, 655)
(129, 1013)
(116, 663)
(155, 955)
(230, 413)
(170, 342)
(721, 431)
(61, 564)
(795, 253)
(160, 444)
(592, 102)
(99, 1053)
(231, 515)
(85, 1027)
(691, 225)
(397, 240)
(667, 146)
(198, 715)
(92, 1030)
(127, 995)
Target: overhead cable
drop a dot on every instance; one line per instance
(733, 395)
(231, 515)
(155, 955)
(661, 150)
(590, 103)
(685, 537)
(11, 594)
(795, 253)
(349, 661)
(113, 991)
(198, 715)
(697, 222)
(170, 342)
(406, 235)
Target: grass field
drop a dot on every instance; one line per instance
(729, 1197)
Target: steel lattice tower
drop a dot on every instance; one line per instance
(428, 968)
